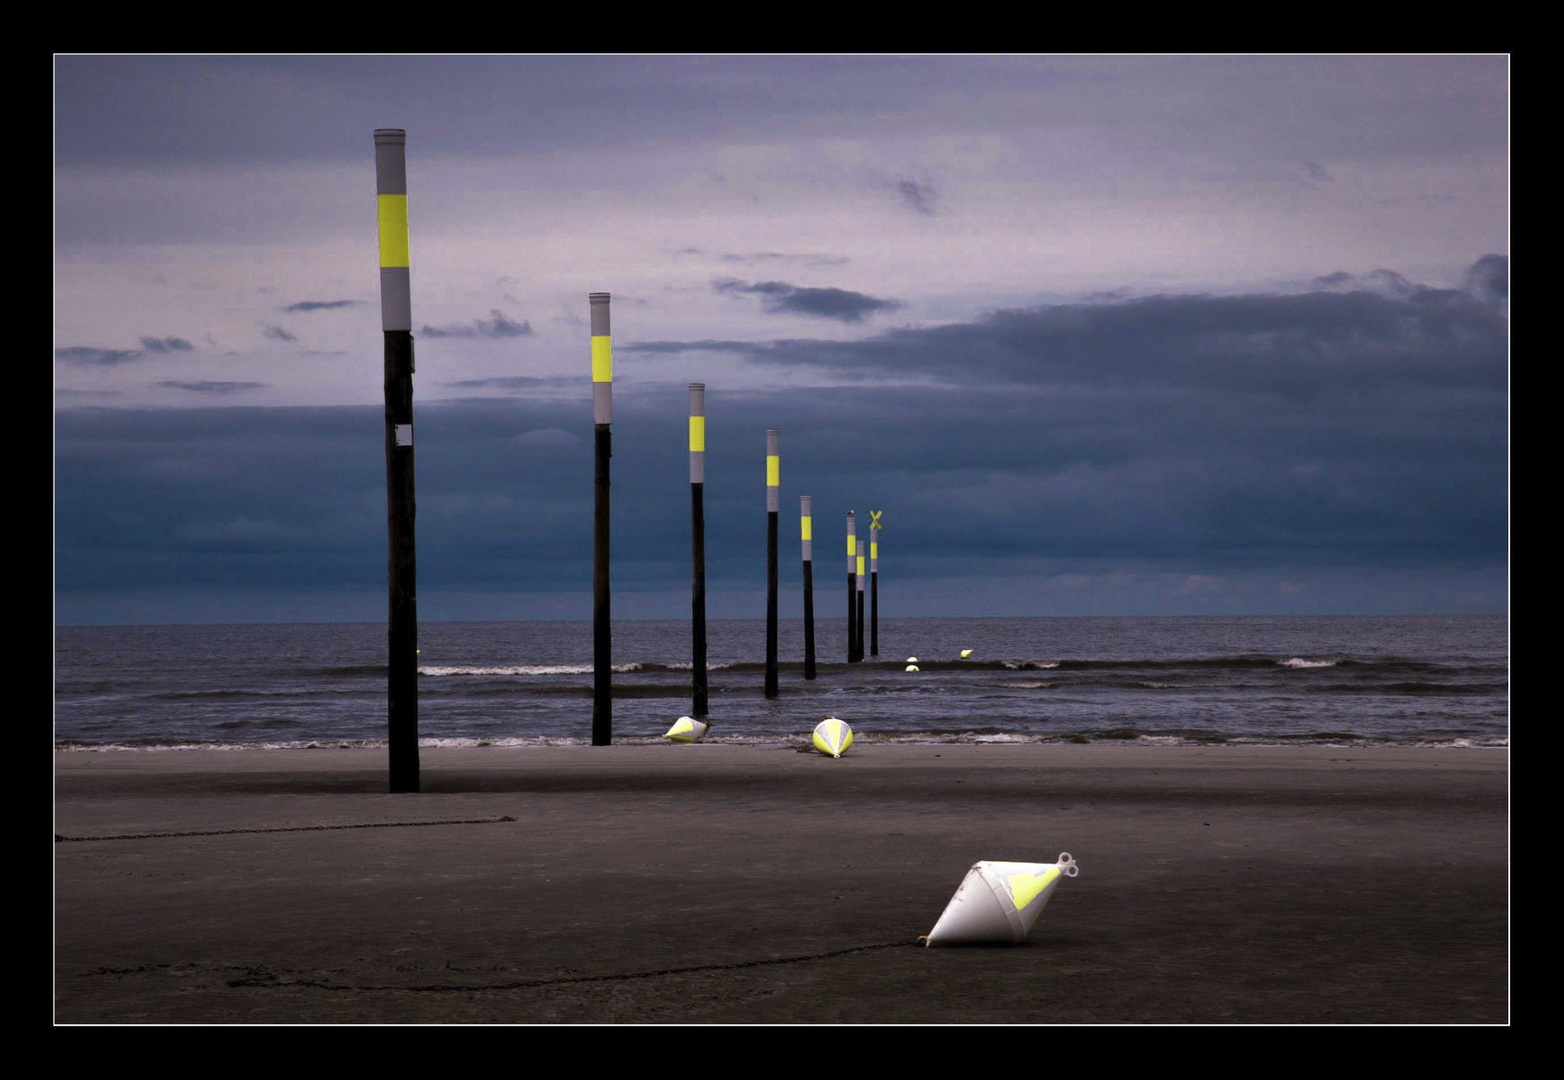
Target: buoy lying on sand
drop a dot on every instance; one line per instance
(687, 729)
(913, 667)
(998, 902)
(966, 654)
(833, 736)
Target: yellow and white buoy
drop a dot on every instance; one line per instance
(833, 736)
(687, 729)
(999, 901)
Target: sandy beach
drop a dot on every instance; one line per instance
(743, 884)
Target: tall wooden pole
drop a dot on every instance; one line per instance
(852, 588)
(602, 423)
(874, 582)
(806, 516)
(396, 321)
(773, 506)
(698, 543)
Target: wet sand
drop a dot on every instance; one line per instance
(742, 884)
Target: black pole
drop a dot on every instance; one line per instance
(773, 485)
(698, 546)
(396, 321)
(860, 624)
(874, 613)
(806, 504)
(602, 421)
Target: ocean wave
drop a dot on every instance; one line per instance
(803, 739)
(1300, 662)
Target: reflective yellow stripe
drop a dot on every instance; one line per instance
(809, 528)
(697, 432)
(849, 545)
(393, 229)
(874, 549)
(602, 359)
(1025, 887)
(773, 470)
(860, 566)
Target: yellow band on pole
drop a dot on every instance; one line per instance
(393, 230)
(809, 529)
(697, 426)
(773, 470)
(849, 545)
(860, 566)
(874, 549)
(603, 360)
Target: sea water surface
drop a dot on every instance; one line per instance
(1352, 680)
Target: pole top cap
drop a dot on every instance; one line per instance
(697, 386)
(390, 135)
(598, 297)
(773, 431)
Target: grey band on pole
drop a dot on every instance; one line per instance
(697, 433)
(852, 544)
(602, 361)
(396, 303)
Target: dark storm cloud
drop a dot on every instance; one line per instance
(166, 345)
(320, 305)
(806, 259)
(277, 333)
(207, 386)
(1313, 345)
(513, 382)
(780, 297)
(88, 356)
(921, 197)
(497, 327)
(1199, 435)
(1489, 278)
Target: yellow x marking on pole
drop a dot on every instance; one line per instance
(875, 520)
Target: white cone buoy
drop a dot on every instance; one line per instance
(913, 667)
(687, 729)
(912, 659)
(833, 736)
(999, 901)
(966, 654)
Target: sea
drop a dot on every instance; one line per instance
(1323, 680)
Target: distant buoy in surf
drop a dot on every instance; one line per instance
(833, 736)
(999, 901)
(966, 654)
(913, 667)
(912, 659)
(687, 729)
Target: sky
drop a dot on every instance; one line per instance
(1096, 335)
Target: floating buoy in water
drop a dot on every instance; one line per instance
(913, 667)
(833, 736)
(912, 659)
(966, 654)
(687, 729)
(999, 902)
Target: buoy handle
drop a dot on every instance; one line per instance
(1067, 865)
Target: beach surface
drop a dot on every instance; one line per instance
(746, 884)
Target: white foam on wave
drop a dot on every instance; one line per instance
(525, 669)
(1031, 665)
(1300, 662)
